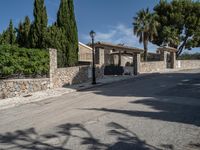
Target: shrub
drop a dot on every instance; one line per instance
(18, 62)
(187, 56)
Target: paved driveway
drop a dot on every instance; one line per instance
(159, 111)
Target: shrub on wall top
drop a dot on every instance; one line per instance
(18, 62)
(187, 56)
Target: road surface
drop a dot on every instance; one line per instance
(158, 111)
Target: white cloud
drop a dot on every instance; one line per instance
(119, 34)
(105, 36)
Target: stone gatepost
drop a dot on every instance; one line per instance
(99, 56)
(53, 65)
(119, 58)
(168, 50)
(136, 63)
(173, 59)
(163, 57)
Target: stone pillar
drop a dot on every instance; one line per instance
(99, 61)
(119, 59)
(163, 57)
(53, 65)
(173, 59)
(136, 63)
(96, 54)
(99, 56)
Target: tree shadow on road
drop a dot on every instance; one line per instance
(30, 139)
(188, 85)
(165, 111)
(177, 102)
(126, 139)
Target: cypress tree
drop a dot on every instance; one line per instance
(56, 39)
(39, 26)
(73, 39)
(62, 15)
(66, 21)
(0, 38)
(20, 39)
(8, 36)
(11, 31)
(26, 28)
(23, 33)
(4, 38)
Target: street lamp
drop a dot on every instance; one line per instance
(92, 35)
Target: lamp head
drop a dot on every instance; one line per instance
(92, 34)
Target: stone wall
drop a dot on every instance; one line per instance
(70, 75)
(154, 66)
(74, 75)
(18, 87)
(61, 77)
(188, 64)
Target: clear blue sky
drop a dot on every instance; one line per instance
(110, 19)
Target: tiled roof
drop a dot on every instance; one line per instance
(118, 47)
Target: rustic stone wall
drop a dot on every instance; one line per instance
(70, 75)
(74, 75)
(18, 87)
(188, 64)
(60, 77)
(149, 67)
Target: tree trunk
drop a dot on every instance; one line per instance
(145, 50)
(180, 49)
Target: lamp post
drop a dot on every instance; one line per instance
(92, 35)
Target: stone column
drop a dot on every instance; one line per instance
(99, 61)
(53, 65)
(163, 57)
(173, 59)
(119, 59)
(99, 56)
(136, 63)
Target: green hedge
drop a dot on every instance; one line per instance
(187, 56)
(18, 62)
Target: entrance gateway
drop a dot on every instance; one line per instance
(168, 55)
(110, 54)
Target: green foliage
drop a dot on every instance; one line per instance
(66, 21)
(179, 24)
(187, 56)
(57, 39)
(8, 36)
(0, 38)
(19, 62)
(23, 33)
(145, 28)
(39, 26)
(62, 35)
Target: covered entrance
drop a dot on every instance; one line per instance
(118, 56)
(168, 55)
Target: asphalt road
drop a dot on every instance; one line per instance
(159, 111)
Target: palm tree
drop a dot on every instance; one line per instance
(145, 27)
